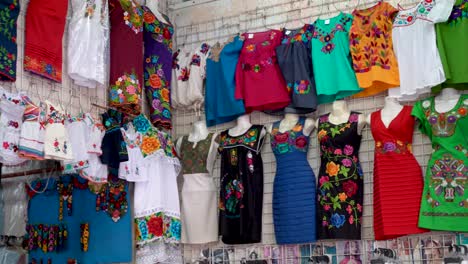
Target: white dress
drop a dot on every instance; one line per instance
(414, 43)
(11, 121)
(132, 170)
(77, 131)
(88, 42)
(96, 172)
(56, 141)
(199, 206)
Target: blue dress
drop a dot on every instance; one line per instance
(220, 104)
(294, 199)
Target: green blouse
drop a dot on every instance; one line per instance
(444, 203)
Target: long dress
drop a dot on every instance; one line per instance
(241, 196)
(199, 214)
(9, 12)
(395, 171)
(444, 204)
(294, 200)
(340, 190)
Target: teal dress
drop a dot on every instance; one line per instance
(334, 75)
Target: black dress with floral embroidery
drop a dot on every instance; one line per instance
(340, 185)
(241, 196)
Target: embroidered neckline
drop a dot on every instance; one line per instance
(407, 17)
(327, 37)
(289, 140)
(444, 124)
(303, 34)
(459, 12)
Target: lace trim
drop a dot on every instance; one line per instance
(159, 252)
(157, 210)
(161, 155)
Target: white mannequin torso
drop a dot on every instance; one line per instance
(290, 120)
(389, 112)
(340, 114)
(243, 124)
(446, 100)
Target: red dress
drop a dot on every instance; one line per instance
(259, 81)
(398, 180)
(45, 24)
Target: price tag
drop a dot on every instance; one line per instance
(250, 36)
(288, 32)
(327, 21)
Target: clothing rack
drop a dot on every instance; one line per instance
(113, 108)
(29, 172)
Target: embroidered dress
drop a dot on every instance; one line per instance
(12, 108)
(126, 56)
(45, 24)
(258, 77)
(451, 42)
(181, 74)
(131, 170)
(88, 42)
(415, 46)
(96, 172)
(9, 12)
(77, 132)
(57, 142)
(296, 65)
(330, 56)
(114, 150)
(294, 199)
(220, 104)
(241, 195)
(444, 203)
(340, 184)
(372, 50)
(31, 144)
(395, 171)
(158, 67)
(199, 212)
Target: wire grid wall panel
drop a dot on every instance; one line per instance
(216, 20)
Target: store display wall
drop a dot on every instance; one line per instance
(212, 20)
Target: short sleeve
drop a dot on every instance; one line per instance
(419, 113)
(392, 11)
(441, 10)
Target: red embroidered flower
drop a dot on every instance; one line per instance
(12, 6)
(166, 33)
(155, 225)
(301, 142)
(10, 56)
(281, 138)
(81, 163)
(409, 19)
(56, 144)
(13, 39)
(323, 180)
(350, 188)
(351, 219)
(5, 145)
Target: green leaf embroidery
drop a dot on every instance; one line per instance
(344, 171)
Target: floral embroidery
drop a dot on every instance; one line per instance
(158, 226)
(327, 38)
(443, 124)
(233, 194)
(133, 15)
(302, 87)
(421, 12)
(194, 157)
(90, 8)
(184, 74)
(126, 90)
(258, 67)
(288, 141)
(160, 97)
(10, 146)
(459, 12)
(74, 167)
(56, 145)
(250, 162)
(196, 60)
(304, 35)
(53, 72)
(449, 175)
(462, 149)
(395, 147)
(249, 139)
(250, 47)
(204, 48)
(8, 17)
(161, 32)
(233, 156)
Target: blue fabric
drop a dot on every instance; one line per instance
(220, 103)
(109, 242)
(294, 199)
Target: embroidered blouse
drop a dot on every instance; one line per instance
(372, 50)
(9, 12)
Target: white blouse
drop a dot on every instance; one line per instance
(414, 43)
(88, 42)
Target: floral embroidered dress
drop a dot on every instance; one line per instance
(11, 120)
(241, 196)
(157, 210)
(372, 50)
(45, 24)
(340, 190)
(9, 12)
(126, 56)
(415, 46)
(296, 65)
(259, 81)
(181, 74)
(451, 42)
(114, 150)
(294, 199)
(88, 42)
(331, 59)
(444, 203)
(158, 67)
(31, 144)
(395, 171)
(57, 142)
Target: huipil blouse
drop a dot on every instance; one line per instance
(9, 12)
(372, 50)
(415, 46)
(259, 81)
(126, 56)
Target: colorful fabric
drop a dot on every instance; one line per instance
(194, 158)
(158, 68)
(374, 61)
(444, 202)
(9, 12)
(330, 50)
(45, 24)
(158, 226)
(126, 69)
(114, 150)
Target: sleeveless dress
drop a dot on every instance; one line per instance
(199, 216)
(444, 204)
(9, 11)
(395, 171)
(241, 196)
(294, 199)
(340, 190)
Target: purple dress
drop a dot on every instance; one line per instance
(158, 68)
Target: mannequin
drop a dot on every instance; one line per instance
(199, 132)
(290, 120)
(340, 114)
(389, 112)
(446, 100)
(243, 124)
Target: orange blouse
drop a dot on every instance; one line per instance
(371, 48)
